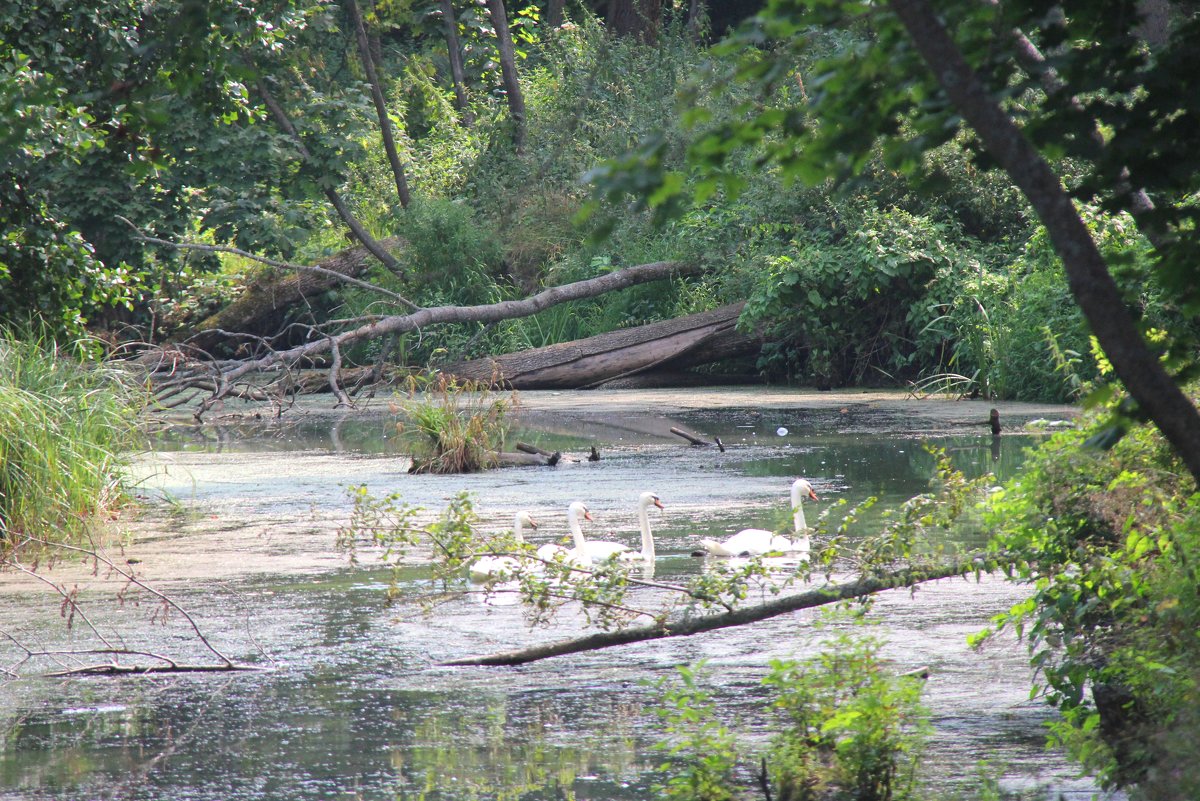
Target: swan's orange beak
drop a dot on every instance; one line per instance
(587, 515)
(533, 524)
(812, 494)
(658, 503)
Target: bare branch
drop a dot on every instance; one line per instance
(224, 379)
(133, 579)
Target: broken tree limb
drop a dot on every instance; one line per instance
(225, 379)
(692, 438)
(671, 344)
(867, 585)
(525, 447)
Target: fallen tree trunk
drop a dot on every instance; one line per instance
(175, 370)
(263, 307)
(668, 346)
(687, 627)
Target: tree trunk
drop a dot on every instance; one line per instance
(385, 122)
(454, 49)
(508, 68)
(554, 13)
(670, 345)
(1087, 273)
(262, 308)
(356, 228)
(636, 18)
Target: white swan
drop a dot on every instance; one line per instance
(757, 541)
(502, 568)
(576, 556)
(601, 550)
(645, 501)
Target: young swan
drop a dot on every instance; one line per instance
(758, 541)
(502, 568)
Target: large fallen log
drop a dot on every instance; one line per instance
(667, 346)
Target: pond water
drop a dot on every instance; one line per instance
(354, 704)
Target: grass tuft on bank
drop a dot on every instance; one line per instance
(65, 424)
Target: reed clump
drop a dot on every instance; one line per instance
(65, 424)
(453, 426)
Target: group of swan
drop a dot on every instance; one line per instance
(583, 555)
(748, 542)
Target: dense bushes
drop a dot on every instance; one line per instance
(1109, 541)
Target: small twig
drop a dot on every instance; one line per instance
(131, 578)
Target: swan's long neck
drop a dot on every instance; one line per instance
(576, 529)
(647, 537)
(519, 528)
(799, 524)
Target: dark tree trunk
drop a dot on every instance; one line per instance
(554, 13)
(694, 18)
(1087, 273)
(456, 65)
(385, 122)
(508, 68)
(637, 18)
(667, 346)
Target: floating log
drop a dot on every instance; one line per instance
(692, 438)
(525, 447)
(523, 459)
(587, 363)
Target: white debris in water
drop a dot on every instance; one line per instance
(781, 431)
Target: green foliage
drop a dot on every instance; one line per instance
(1108, 542)
(852, 730)
(452, 426)
(843, 300)
(848, 730)
(448, 252)
(701, 751)
(64, 426)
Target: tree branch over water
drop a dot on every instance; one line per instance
(833, 593)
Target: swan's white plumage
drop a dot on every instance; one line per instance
(758, 541)
(646, 554)
(502, 568)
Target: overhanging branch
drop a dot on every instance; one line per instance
(867, 585)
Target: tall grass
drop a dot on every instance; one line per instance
(64, 425)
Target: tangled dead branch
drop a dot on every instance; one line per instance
(182, 374)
